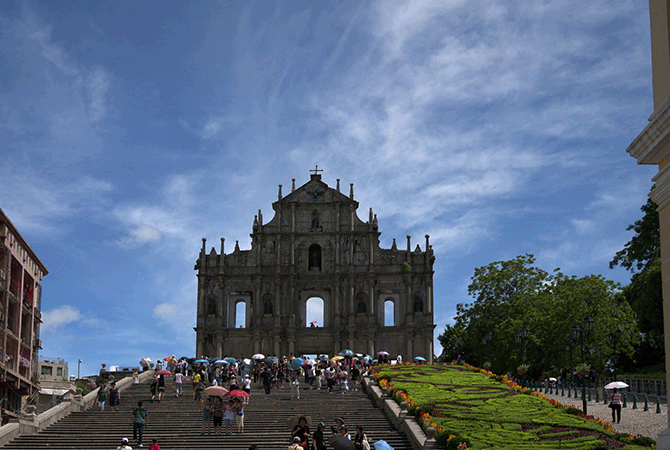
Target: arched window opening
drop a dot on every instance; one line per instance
(389, 312)
(418, 304)
(241, 314)
(361, 302)
(267, 304)
(315, 257)
(314, 309)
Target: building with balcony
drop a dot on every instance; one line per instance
(21, 273)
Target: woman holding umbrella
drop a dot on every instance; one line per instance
(615, 404)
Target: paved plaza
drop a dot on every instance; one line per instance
(633, 421)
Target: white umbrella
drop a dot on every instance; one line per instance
(616, 385)
(258, 356)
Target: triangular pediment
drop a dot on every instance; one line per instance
(315, 191)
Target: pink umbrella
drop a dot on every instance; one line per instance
(216, 390)
(237, 393)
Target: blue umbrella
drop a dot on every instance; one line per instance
(419, 358)
(347, 352)
(230, 360)
(297, 363)
(382, 445)
(201, 361)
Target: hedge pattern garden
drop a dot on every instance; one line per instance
(475, 409)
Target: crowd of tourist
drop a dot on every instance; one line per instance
(222, 388)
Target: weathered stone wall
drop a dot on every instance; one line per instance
(315, 246)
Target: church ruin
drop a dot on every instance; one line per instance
(315, 249)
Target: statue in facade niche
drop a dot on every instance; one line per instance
(362, 308)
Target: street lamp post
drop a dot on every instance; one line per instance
(486, 340)
(79, 368)
(614, 341)
(520, 339)
(579, 335)
(457, 345)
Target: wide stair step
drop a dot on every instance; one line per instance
(177, 423)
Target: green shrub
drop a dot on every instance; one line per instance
(573, 411)
(442, 437)
(643, 440)
(425, 408)
(84, 389)
(411, 410)
(454, 442)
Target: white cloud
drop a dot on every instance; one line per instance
(51, 51)
(65, 315)
(167, 311)
(97, 86)
(583, 226)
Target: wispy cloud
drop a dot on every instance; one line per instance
(65, 315)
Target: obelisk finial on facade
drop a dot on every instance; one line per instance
(279, 196)
(351, 190)
(293, 184)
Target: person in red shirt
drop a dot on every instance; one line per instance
(616, 406)
(154, 445)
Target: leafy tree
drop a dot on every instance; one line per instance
(641, 256)
(645, 247)
(512, 294)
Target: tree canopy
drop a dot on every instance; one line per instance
(510, 295)
(641, 256)
(645, 247)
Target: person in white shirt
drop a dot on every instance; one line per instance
(247, 388)
(399, 359)
(124, 445)
(178, 376)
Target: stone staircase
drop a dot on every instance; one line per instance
(177, 423)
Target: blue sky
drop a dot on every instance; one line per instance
(130, 130)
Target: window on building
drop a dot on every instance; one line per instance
(59, 371)
(241, 314)
(47, 370)
(389, 312)
(314, 308)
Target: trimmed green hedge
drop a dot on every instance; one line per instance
(488, 414)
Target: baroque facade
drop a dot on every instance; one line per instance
(315, 249)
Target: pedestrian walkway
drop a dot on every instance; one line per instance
(633, 421)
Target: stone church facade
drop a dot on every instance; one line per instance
(315, 247)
